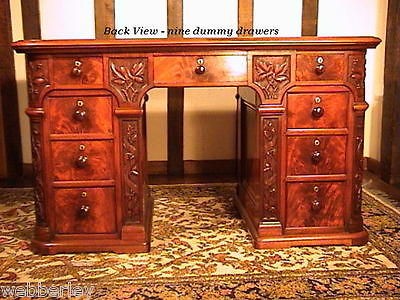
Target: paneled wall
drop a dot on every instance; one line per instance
(75, 19)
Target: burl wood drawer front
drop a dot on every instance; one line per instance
(82, 160)
(315, 204)
(69, 115)
(85, 210)
(311, 155)
(194, 70)
(319, 66)
(78, 70)
(319, 110)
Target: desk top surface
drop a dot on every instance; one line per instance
(187, 45)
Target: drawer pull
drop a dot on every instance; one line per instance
(200, 70)
(80, 113)
(76, 70)
(317, 112)
(84, 211)
(316, 157)
(315, 205)
(320, 68)
(82, 161)
(317, 142)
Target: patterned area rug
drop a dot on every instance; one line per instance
(201, 250)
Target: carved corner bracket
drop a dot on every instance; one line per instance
(38, 74)
(356, 74)
(271, 74)
(128, 76)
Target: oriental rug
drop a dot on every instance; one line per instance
(201, 250)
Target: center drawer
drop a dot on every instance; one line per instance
(200, 70)
(85, 210)
(82, 160)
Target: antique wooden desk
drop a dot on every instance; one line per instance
(301, 136)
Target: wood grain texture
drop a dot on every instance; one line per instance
(104, 17)
(100, 218)
(178, 70)
(80, 115)
(329, 212)
(334, 105)
(332, 155)
(99, 163)
(306, 64)
(309, 20)
(88, 70)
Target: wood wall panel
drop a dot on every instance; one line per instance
(11, 141)
(309, 22)
(31, 19)
(390, 145)
(104, 16)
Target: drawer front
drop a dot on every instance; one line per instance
(312, 155)
(315, 204)
(198, 70)
(82, 160)
(320, 66)
(85, 210)
(72, 115)
(78, 70)
(323, 110)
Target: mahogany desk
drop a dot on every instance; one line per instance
(301, 136)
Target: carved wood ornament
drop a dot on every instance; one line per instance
(130, 161)
(357, 74)
(128, 77)
(37, 169)
(270, 168)
(271, 74)
(38, 74)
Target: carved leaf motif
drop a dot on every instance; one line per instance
(128, 80)
(270, 168)
(130, 170)
(271, 74)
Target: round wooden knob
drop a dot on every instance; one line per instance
(315, 205)
(84, 211)
(200, 70)
(316, 157)
(319, 69)
(80, 114)
(317, 112)
(82, 161)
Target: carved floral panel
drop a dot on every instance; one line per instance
(271, 74)
(128, 76)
